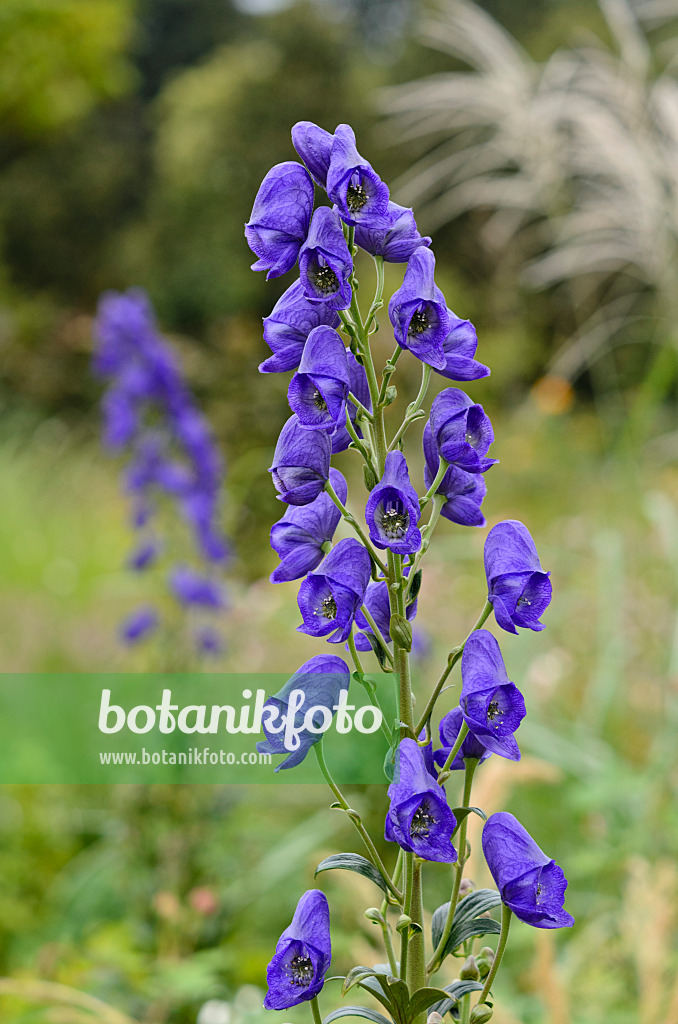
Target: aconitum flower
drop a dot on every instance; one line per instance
(318, 391)
(395, 238)
(461, 431)
(319, 682)
(392, 511)
(418, 311)
(419, 819)
(325, 264)
(330, 596)
(138, 625)
(493, 707)
(529, 883)
(302, 955)
(358, 191)
(377, 603)
(460, 347)
(288, 326)
(359, 387)
(301, 463)
(280, 218)
(519, 589)
(191, 587)
(471, 746)
(144, 555)
(302, 533)
(314, 146)
(464, 491)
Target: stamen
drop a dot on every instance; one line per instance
(539, 891)
(325, 280)
(394, 523)
(419, 322)
(300, 970)
(356, 197)
(421, 822)
(319, 402)
(494, 710)
(328, 608)
(522, 602)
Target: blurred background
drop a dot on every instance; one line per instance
(538, 143)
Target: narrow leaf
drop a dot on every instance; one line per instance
(356, 1011)
(422, 999)
(353, 862)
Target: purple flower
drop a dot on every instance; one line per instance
(396, 238)
(288, 326)
(464, 491)
(301, 463)
(301, 533)
(418, 311)
(419, 819)
(493, 707)
(471, 746)
(302, 955)
(138, 625)
(359, 387)
(460, 347)
(318, 391)
(330, 596)
(208, 641)
(314, 146)
(377, 603)
(315, 687)
(144, 555)
(529, 883)
(519, 589)
(325, 264)
(357, 190)
(190, 587)
(280, 218)
(461, 431)
(392, 511)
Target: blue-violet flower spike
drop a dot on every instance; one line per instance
(461, 430)
(518, 588)
(378, 605)
(464, 491)
(471, 746)
(331, 595)
(395, 239)
(418, 311)
(302, 955)
(493, 707)
(314, 146)
(303, 530)
(419, 819)
(529, 883)
(392, 511)
(280, 218)
(318, 391)
(288, 326)
(301, 463)
(325, 264)
(139, 625)
(358, 191)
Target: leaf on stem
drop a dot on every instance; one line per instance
(353, 862)
(467, 921)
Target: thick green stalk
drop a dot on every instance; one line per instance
(416, 965)
(315, 1010)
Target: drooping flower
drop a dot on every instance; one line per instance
(314, 146)
(191, 587)
(288, 326)
(302, 532)
(302, 955)
(330, 596)
(531, 884)
(519, 589)
(464, 491)
(449, 728)
(325, 264)
(301, 463)
(392, 511)
(377, 603)
(461, 431)
(492, 706)
(280, 218)
(352, 183)
(318, 685)
(418, 311)
(359, 387)
(460, 348)
(138, 625)
(419, 819)
(395, 239)
(318, 391)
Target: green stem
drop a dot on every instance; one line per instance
(389, 370)
(405, 936)
(377, 302)
(426, 535)
(413, 409)
(501, 946)
(388, 944)
(416, 966)
(378, 634)
(359, 443)
(362, 831)
(315, 1010)
(442, 470)
(352, 521)
(463, 733)
(400, 655)
(359, 406)
(354, 654)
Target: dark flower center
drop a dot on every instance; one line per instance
(419, 322)
(539, 891)
(325, 280)
(356, 197)
(522, 602)
(394, 523)
(328, 608)
(301, 970)
(319, 402)
(494, 710)
(421, 823)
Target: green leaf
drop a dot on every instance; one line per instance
(353, 862)
(355, 976)
(376, 647)
(422, 999)
(467, 920)
(399, 995)
(375, 985)
(356, 1011)
(456, 990)
(461, 812)
(415, 587)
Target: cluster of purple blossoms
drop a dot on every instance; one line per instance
(345, 594)
(173, 461)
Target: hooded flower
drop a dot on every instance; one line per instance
(492, 706)
(471, 746)
(325, 264)
(280, 218)
(358, 191)
(392, 511)
(396, 238)
(314, 146)
(529, 883)
(519, 590)
(301, 463)
(461, 431)
(138, 625)
(419, 819)
(316, 685)
(330, 596)
(460, 347)
(464, 491)
(418, 311)
(377, 603)
(288, 326)
(301, 533)
(190, 587)
(359, 387)
(318, 391)
(302, 955)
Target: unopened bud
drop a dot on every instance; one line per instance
(401, 631)
(484, 966)
(391, 395)
(403, 923)
(481, 1013)
(467, 886)
(369, 478)
(434, 1018)
(488, 953)
(374, 914)
(469, 971)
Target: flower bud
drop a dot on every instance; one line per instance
(434, 1018)
(469, 970)
(369, 478)
(467, 886)
(401, 631)
(488, 953)
(484, 966)
(375, 915)
(403, 923)
(390, 395)
(481, 1013)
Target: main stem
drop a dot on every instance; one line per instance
(506, 915)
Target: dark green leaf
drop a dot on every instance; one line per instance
(354, 976)
(353, 862)
(356, 1011)
(422, 999)
(415, 587)
(456, 990)
(461, 812)
(467, 920)
(374, 984)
